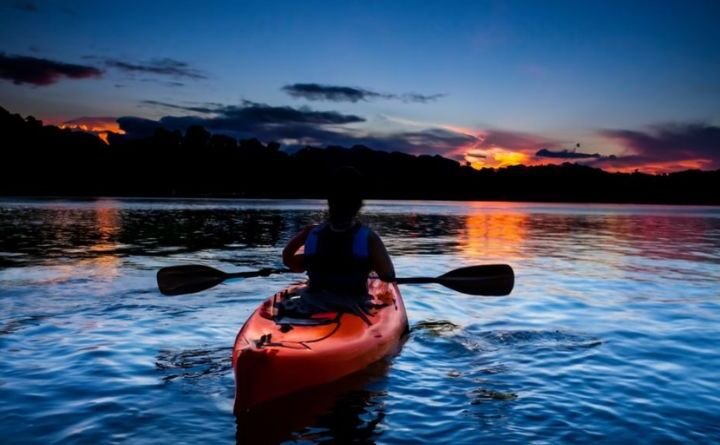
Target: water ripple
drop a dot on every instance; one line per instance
(609, 336)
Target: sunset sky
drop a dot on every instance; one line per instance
(495, 83)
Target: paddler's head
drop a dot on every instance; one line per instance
(344, 195)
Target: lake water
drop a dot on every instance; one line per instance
(611, 335)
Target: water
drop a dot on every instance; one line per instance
(610, 336)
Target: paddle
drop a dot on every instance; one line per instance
(178, 280)
(489, 280)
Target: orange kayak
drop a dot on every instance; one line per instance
(276, 356)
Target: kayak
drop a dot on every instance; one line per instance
(276, 355)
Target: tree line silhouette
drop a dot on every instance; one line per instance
(44, 160)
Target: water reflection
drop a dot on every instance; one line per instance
(347, 411)
(104, 261)
(108, 230)
(492, 235)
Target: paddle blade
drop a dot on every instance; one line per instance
(489, 280)
(178, 280)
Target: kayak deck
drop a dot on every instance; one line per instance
(275, 357)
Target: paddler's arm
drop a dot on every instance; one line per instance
(291, 258)
(380, 260)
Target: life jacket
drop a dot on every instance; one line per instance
(338, 261)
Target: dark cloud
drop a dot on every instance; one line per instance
(162, 67)
(295, 127)
(565, 154)
(138, 127)
(36, 71)
(417, 97)
(251, 114)
(429, 141)
(267, 114)
(683, 144)
(334, 93)
(24, 5)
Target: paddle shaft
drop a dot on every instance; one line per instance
(489, 280)
(250, 274)
(416, 280)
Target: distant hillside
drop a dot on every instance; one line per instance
(45, 160)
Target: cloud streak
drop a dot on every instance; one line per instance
(335, 93)
(566, 154)
(162, 67)
(42, 72)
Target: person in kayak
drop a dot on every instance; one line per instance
(340, 253)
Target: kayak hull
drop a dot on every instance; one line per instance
(272, 360)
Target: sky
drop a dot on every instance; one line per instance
(621, 85)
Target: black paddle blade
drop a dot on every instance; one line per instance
(490, 280)
(178, 280)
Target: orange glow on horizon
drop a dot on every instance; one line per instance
(99, 127)
(510, 158)
(496, 158)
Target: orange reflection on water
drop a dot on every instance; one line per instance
(496, 233)
(101, 260)
(106, 261)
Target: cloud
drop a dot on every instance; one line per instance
(138, 127)
(429, 141)
(194, 109)
(667, 147)
(251, 119)
(24, 5)
(252, 113)
(565, 154)
(41, 72)
(162, 67)
(165, 83)
(334, 93)
(296, 127)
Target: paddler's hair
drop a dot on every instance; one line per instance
(345, 194)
